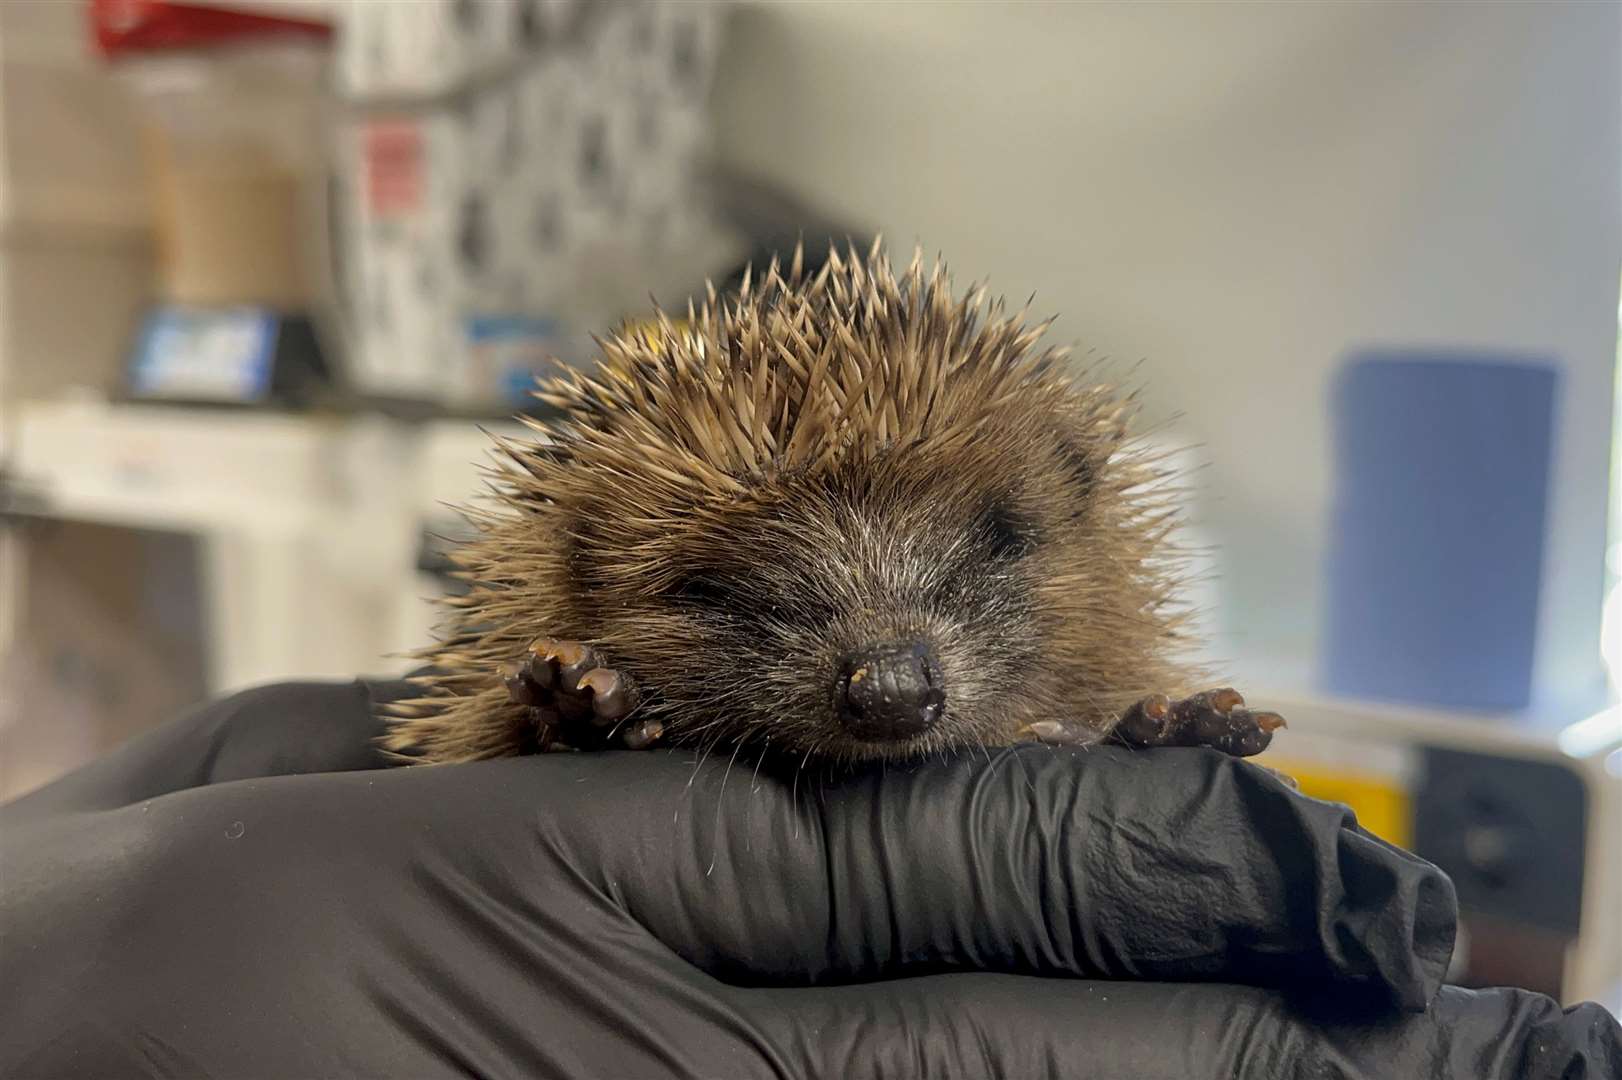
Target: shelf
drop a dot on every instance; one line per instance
(200, 469)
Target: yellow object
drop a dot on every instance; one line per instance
(647, 330)
(1382, 806)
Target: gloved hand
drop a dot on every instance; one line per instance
(180, 909)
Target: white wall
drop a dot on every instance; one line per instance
(1237, 193)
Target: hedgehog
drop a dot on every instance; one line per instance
(844, 515)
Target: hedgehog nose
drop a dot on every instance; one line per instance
(892, 690)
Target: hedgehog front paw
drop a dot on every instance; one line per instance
(576, 702)
(1218, 719)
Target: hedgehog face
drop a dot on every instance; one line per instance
(904, 600)
(849, 517)
(883, 608)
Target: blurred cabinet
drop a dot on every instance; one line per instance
(75, 252)
(75, 259)
(106, 639)
(300, 548)
(1523, 813)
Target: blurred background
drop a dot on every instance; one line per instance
(267, 267)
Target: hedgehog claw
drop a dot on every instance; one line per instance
(1150, 722)
(1053, 733)
(573, 700)
(643, 735)
(538, 665)
(612, 696)
(573, 661)
(1217, 719)
(520, 690)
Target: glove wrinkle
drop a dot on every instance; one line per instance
(634, 915)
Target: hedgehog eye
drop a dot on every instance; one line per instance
(1009, 535)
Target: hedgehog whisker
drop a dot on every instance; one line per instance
(720, 803)
(794, 792)
(754, 778)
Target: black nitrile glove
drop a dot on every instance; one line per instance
(640, 914)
